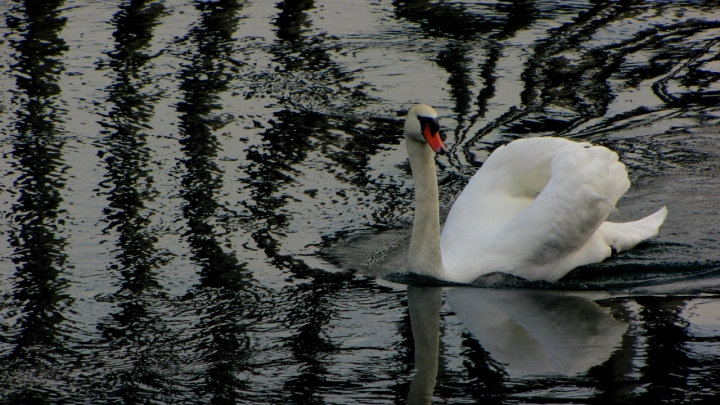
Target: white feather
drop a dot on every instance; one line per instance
(535, 209)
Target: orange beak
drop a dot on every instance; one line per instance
(432, 136)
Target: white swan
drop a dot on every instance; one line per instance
(535, 209)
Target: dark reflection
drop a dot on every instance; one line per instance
(292, 137)
(424, 306)
(309, 343)
(403, 357)
(303, 133)
(137, 331)
(295, 49)
(668, 364)
(524, 342)
(316, 172)
(695, 81)
(454, 60)
(518, 15)
(582, 84)
(306, 78)
(469, 31)
(271, 168)
(614, 379)
(539, 332)
(209, 73)
(227, 300)
(309, 306)
(34, 343)
(453, 21)
(551, 78)
(486, 378)
(443, 19)
(124, 147)
(656, 363)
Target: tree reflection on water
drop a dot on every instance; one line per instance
(250, 188)
(35, 349)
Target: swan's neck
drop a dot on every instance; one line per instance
(424, 256)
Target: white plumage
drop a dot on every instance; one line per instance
(535, 209)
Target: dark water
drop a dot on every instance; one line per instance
(182, 181)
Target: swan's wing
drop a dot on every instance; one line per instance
(541, 238)
(586, 182)
(505, 185)
(521, 168)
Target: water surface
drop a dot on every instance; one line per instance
(199, 200)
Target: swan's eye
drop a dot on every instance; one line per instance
(430, 123)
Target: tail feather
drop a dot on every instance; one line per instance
(624, 236)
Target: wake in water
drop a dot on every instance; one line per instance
(383, 254)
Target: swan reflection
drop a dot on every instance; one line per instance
(529, 331)
(539, 332)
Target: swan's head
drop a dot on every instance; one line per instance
(421, 125)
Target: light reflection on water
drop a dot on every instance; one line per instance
(183, 182)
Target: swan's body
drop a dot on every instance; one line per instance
(536, 209)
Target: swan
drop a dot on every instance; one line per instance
(536, 208)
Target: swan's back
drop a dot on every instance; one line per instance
(534, 210)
